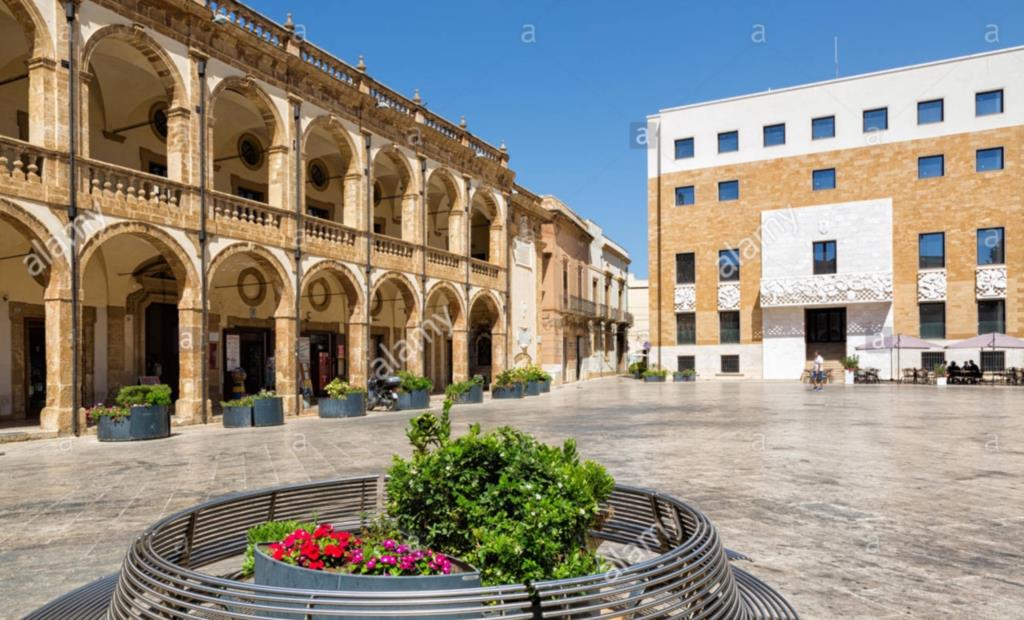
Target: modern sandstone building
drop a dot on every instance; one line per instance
(188, 188)
(824, 217)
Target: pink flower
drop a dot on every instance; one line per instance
(372, 564)
(389, 544)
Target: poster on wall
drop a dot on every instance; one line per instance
(232, 347)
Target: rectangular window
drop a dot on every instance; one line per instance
(929, 112)
(876, 120)
(991, 250)
(824, 257)
(988, 102)
(823, 179)
(989, 159)
(684, 148)
(728, 141)
(993, 361)
(686, 362)
(729, 266)
(933, 320)
(685, 196)
(730, 364)
(729, 327)
(992, 316)
(686, 328)
(931, 251)
(728, 190)
(930, 358)
(824, 127)
(774, 135)
(685, 268)
(931, 166)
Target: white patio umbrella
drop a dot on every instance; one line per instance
(991, 341)
(897, 342)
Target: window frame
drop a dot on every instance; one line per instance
(691, 317)
(884, 110)
(999, 303)
(722, 184)
(815, 261)
(679, 141)
(1002, 102)
(832, 118)
(942, 111)
(734, 132)
(921, 257)
(764, 135)
(1002, 245)
(992, 149)
(814, 179)
(942, 166)
(730, 357)
(939, 332)
(739, 264)
(722, 315)
(692, 195)
(693, 268)
(686, 362)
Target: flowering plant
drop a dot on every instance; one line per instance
(325, 548)
(101, 411)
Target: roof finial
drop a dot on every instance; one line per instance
(289, 25)
(504, 149)
(416, 96)
(362, 64)
(462, 121)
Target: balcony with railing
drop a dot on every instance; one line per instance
(117, 190)
(483, 273)
(332, 239)
(32, 172)
(445, 264)
(393, 253)
(241, 218)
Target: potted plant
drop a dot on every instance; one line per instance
(237, 413)
(531, 378)
(267, 409)
(940, 373)
(343, 400)
(637, 369)
(684, 375)
(545, 380)
(142, 414)
(850, 364)
(414, 391)
(466, 392)
(655, 375)
(508, 384)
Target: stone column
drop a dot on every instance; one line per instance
(410, 221)
(179, 128)
(498, 362)
(191, 357)
(456, 232)
(354, 209)
(497, 244)
(56, 416)
(460, 354)
(414, 360)
(278, 173)
(284, 358)
(42, 116)
(356, 353)
(83, 112)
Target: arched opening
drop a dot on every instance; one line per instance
(394, 197)
(486, 344)
(243, 149)
(252, 318)
(485, 233)
(15, 51)
(444, 337)
(331, 175)
(329, 300)
(393, 315)
(128, 103)
(444, 219)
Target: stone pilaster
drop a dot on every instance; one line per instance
(457, 231)
(178, 133)
(278, 175)
(42, 104)
(411, 220)
(284, 360)
(356, 353)
(460, 354)
(56, 416)
(191, 357)
(354, 209)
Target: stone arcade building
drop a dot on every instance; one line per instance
(345, 225)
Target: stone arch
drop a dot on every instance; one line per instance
(247, 87)
(150, 50)
(333, 126)
(405, 288)
(395, 155)
(53, 268)
(33, 25)
(488, 297)
(265, 259)
(348, 281)
(449, 179)
(459, 316)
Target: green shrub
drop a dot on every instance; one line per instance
(459, 388)
(536, 373)
(339, 390)
(850, 362)
(245, 401)
(144, 395)
(939, 368)
(265, 394)
(655, 372)
(686, 372)
(637, 367)
(414, 383)
(508, 378)
(100, 411)
(271, 531)
(513, 507)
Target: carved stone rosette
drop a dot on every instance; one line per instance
(838, 288)
(728, 295)
(990, 282)
(686, 298)
(931, 285)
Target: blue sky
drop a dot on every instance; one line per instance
(561, 81)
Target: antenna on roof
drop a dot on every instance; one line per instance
(835, 54)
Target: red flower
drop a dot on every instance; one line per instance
(333, 550)
(311, 550)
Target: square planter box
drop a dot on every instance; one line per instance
(545, 386)
(683, 378)
(352, 406)
(638, 375)
(533, 388)
(270, 572)
(419, 399)
(516, 391)
(474, 396)
(150, 422)
(654, 379)
(237, 417)
(268, 412)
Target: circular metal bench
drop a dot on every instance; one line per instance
(668, 561)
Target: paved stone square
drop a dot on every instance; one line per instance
(863, 501)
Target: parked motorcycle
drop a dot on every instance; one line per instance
(383, 393)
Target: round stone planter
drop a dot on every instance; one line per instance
(533, 388)
(352, 406)
(418, 399)
(654, 379)
(545, 386)
(237, 417)
(514, 391)
(270, 572)
(148, 422)
(268, 412)
(473, 396)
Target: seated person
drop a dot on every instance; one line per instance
(972, 371)
(953, 371)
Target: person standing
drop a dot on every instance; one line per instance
(818, 372)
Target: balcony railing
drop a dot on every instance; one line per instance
(115, 182)
(329, 231)
(389, 246)
(585, 307)
(243, 211)
(443, 258)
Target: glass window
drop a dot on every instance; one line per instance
(931, 251)
(728, 190)
(929, 112)
(876, 120)
(728, 266)
(991, 316)
(729, 327)
(989, 102)
(933, 320)
(684, 148)
(931, 166)
(930, 358)
(686, 328)
(728, 141)
(824, 257)
(993, 361)
(730, 363)
(824, 127)
(685, 196)
(686, 362)
(989, 159)
(685, 269)
(823, 179)
(775, 135)
(990, 246)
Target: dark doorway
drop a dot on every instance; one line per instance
(323, 360)
(579, 357)
(161, 348)
(35, 379)
(253, 345)
(380, 366)
(825, 332)
(449, 374)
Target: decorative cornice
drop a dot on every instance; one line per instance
(845, 288)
